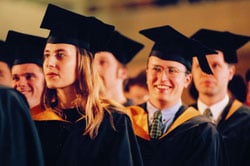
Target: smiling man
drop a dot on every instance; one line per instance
(169, 132)
(27, 73)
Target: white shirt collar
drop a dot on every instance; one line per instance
(168, 114)
(216, 108)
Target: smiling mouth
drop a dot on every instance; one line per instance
(162, 87)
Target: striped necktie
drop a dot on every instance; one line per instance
(208, 114)
(155, 131)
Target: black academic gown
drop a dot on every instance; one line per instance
(194, 141)
(19, 141)
(64, 143)
(234, 127)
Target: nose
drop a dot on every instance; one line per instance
(50, 61)
(22, 82)
(164, 75)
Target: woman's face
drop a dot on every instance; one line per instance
(59, 65)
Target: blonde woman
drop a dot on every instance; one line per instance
(78, 126)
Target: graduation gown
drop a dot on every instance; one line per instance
(191, 140)
(19, 141)
(36, 110)
(234, 126)
(64, 143)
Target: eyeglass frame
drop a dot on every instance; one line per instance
(171, 71)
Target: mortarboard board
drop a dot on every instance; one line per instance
(100, 34)
(226, 42)
(68, 27)
(122, 47)
(4, 54)
(25, 48)
(172, 45)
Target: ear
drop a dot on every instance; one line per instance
(232, 70)
(188, 80)
(122, 73)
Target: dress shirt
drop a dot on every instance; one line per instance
(216, 108)
(168, 114)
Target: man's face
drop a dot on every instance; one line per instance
(216, 84)
(109, 69)
(5, 75)
(29, 80)
(166, 80)
(138, 94)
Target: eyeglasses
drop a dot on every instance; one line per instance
(171, 71)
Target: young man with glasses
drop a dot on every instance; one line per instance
(168, 132)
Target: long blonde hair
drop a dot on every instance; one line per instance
(90, 94)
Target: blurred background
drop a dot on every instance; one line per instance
(130, 16)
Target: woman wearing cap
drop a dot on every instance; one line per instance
(78, 127)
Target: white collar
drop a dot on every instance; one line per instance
(167, 113)
(216, 108)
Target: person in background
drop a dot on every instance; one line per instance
(26, 71)
(169, 132)
(247, 76)
(137, 89)
(111, 62)
(5, 65)
(79, 126)
(237, 88)
(19, 141)
(231, 116)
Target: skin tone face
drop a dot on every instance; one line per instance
(166, 80)
(138, 94)
(5, 75)
(109, 70)
(212, 88)
(28, 78)
(59, 65)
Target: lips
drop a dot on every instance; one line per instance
(162, 87)
(51, 74)
(207, 82)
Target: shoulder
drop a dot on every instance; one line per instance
(244, 110)
(10, 94)
(47, 114)
(241, 116)
(116, 118)
(195, 119)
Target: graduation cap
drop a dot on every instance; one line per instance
(122, 47)
(4, 54)
(25, 48)
(226, 42)
(172, 45)
(100, 34)
(68, 27)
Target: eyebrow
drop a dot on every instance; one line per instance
(24, 74)
(58, 50)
